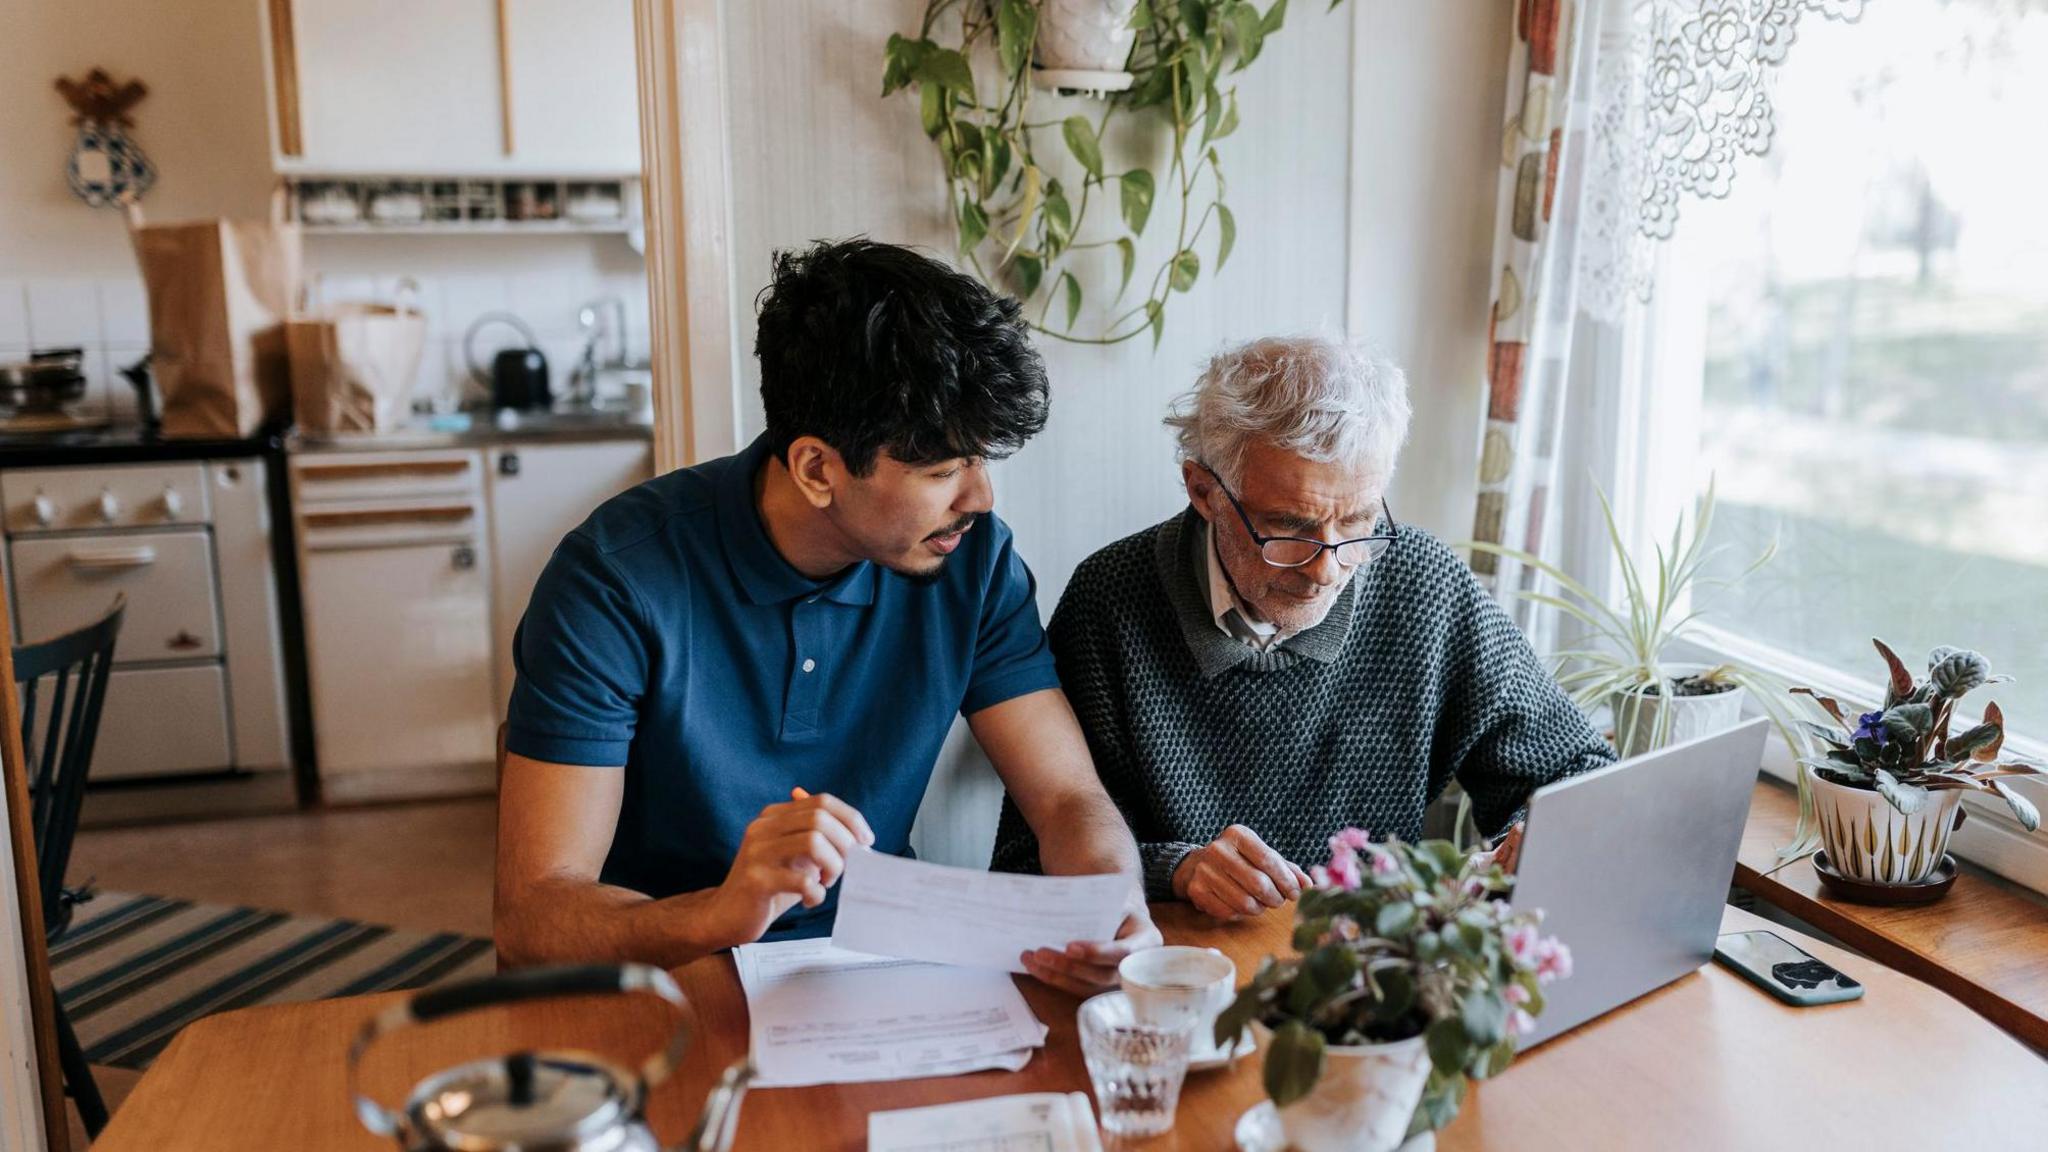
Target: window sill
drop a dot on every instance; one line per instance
(1985, 942)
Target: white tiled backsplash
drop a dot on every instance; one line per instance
(109, 318)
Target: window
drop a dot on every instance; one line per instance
(1870, 308)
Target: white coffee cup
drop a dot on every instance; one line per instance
(1178, 986)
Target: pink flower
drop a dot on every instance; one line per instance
(1319, 875)
(1344, 871)
(1522, 942)
(1520, 1023)
(1553, 960)
(1384, 864)
(1353, 839)
(1515, 994)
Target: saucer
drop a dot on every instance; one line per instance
(1204, 1053)
(1259, 1131)
(1844, 887)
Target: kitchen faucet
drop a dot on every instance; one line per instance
(598, 319)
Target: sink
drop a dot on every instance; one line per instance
(463, 427)
(566, 419)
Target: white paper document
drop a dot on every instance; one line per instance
(892, 906)
(1042, 1122)
(822, 1015)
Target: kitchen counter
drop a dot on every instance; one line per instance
(125, 444)
(470, 430)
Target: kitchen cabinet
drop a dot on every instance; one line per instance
(539, 494)
(573, 85)
(481, 87)
(395, 587)
(416, 566)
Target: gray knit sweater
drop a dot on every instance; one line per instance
(1415, 677)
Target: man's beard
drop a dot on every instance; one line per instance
(926, 577)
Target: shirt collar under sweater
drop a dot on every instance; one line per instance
(1183, 571)
(1224, 607)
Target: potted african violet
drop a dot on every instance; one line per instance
(1888, 788)
(1413, 978)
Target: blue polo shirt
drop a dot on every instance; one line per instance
(669, 636)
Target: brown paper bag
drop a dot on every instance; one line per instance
(219, 292)
(353, 365)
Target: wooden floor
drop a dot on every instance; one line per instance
(420, 866)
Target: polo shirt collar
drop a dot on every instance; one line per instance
(764, 577)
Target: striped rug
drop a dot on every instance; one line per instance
(132, 970)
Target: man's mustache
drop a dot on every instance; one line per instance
(960, 525)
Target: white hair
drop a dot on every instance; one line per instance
(1324, 399)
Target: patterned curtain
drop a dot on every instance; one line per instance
(1534, 283)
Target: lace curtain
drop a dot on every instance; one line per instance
(1617, 112)
(1681, 94)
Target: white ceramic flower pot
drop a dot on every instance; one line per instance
(1867, 839)
(1364, 1101)
(1638, 717)
(1087, 42)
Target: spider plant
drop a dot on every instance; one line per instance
(1623, 662)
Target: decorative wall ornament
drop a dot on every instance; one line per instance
(105, 168)
(1682, 95)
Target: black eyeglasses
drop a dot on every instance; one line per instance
(1300, 551)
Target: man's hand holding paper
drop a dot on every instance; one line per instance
(1069, 931)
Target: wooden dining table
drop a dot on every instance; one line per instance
(1707, 1062)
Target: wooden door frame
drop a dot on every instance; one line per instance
(686, 185)
(28, 899)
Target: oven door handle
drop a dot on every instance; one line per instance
(102, 559)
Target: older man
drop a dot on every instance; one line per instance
(1283, 659)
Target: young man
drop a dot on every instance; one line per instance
(734, 675)
(1282, 660)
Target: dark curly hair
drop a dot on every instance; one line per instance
(872, 347)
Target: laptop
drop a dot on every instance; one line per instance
(1631, 866)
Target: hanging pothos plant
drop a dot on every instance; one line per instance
(1017, 221)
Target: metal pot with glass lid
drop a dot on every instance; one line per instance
(542, 1101)
(44, 383)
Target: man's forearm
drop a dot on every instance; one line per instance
(1086, 835)
(576, 921)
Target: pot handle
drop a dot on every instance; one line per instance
(512, 988)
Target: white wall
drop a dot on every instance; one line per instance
(1429, 94)
(1363, 184)
(67, 273)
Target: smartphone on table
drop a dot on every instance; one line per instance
(1785, 970)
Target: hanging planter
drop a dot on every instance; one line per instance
(1020, 224)
(1084, 44)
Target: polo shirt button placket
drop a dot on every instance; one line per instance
(805, 690)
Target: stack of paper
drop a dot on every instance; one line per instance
(1046, 1122)
(823, 1015)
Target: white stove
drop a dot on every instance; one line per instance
(198, 683)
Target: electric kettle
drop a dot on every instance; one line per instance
(517, 377)
(547, 1101)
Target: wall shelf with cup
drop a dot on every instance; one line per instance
(362, 205)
